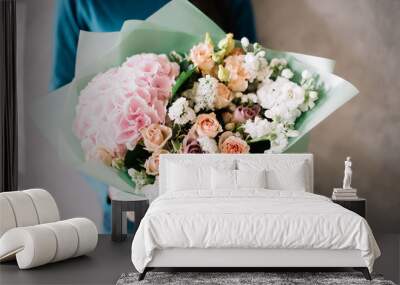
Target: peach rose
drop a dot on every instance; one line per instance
(224, 96)
(227, 117)
(237, 51)
(207, 125)
(153, 162)
(201, 55)
(155, 136)
(229, 143)
(237, 73)
(104, 155)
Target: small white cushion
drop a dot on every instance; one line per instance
(251, 178)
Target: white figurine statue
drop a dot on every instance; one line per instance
(347, 173)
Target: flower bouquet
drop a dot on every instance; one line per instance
(184, 87)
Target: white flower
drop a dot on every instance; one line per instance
(238, 94)
(287, 73)
(139, 177)
(277, 133)
(279, 137)
(250, 97)
(306, 74)
(208, 145)
(281, 99)
(282, 114)
(256, 66)
(180, 112)
(261, 53)
(278, 145)
(278, 62)
(309, 102)
(205, 92)
(245, 42)
(258, 128)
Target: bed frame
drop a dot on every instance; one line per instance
(250, 259)
(241, 259)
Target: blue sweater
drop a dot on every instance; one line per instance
(109, 15)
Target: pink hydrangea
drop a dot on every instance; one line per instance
(117, 104)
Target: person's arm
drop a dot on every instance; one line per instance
(66, 35)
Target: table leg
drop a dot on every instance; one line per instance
(116, 227)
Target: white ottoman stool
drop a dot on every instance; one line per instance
(31, 232)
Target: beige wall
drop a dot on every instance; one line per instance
(363, 36)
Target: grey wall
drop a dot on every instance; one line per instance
(362, 35)
(39, 165)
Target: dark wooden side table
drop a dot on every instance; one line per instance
(358, 205)
(121, 203)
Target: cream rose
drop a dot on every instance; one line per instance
(207, 125)
(201, 56)
(224, 96)
(229, 143)
(155, 136)
(153, 162)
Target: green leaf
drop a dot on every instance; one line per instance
(125, 176)
(259, 146)
(260, 139)
(185, 75)
(176, 145)
(135, 158)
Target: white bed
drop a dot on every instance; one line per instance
(250, 227)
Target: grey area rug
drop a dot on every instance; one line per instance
(269, 278)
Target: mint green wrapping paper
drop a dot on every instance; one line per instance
(162, 33)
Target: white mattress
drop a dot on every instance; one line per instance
(252, 219)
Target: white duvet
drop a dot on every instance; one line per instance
(253, 218)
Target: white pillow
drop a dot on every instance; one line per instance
(183, 177)
(251, 178)
(293, 179)
(223, 179)
(193, 174)
(290, 175)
